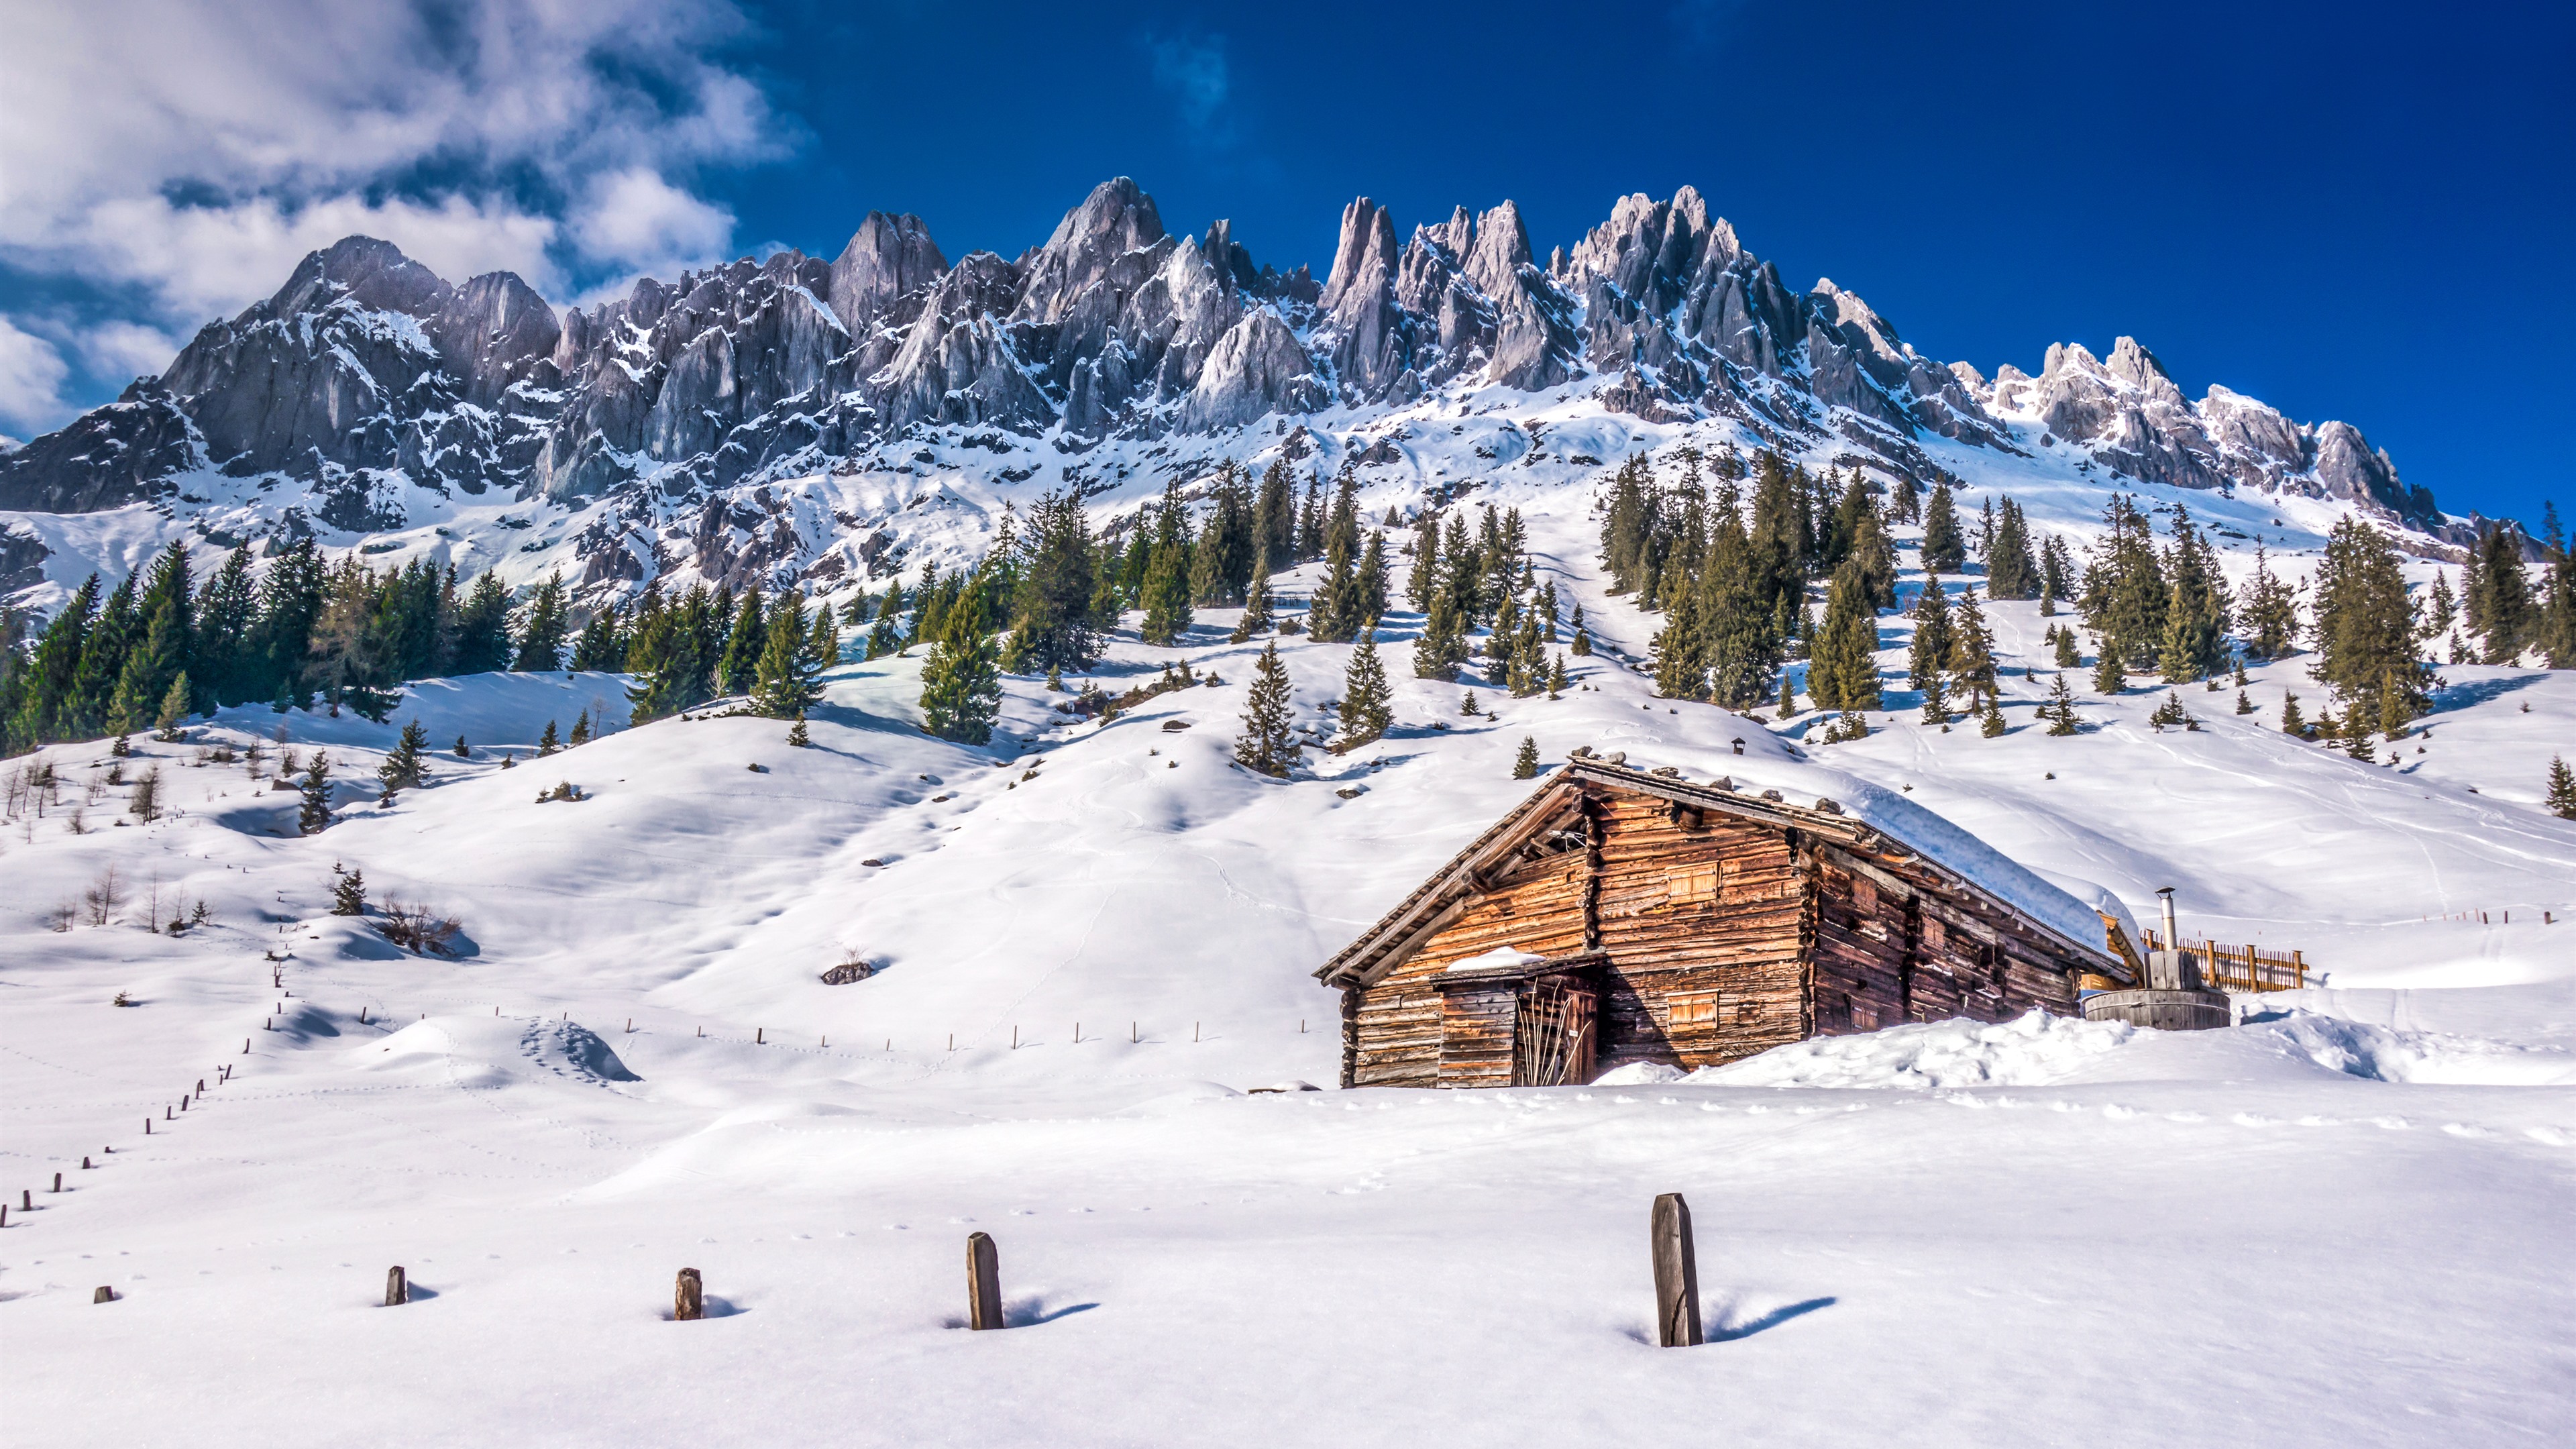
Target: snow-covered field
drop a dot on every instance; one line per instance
(2343, 1222)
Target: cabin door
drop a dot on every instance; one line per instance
(1552, 1036)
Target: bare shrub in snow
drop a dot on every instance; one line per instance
(418, 929)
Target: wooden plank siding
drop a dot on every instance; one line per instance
(1537, 908)
(1669, 934)
(1711, 926)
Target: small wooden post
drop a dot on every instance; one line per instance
(760, 1036)
(397, 1288)
(983, 1282)
(147, 1126)
(1077, 1033)
(58, 1180)
(104, 1294)
(201, 1086)
(26, 1199)
(4, 1215)
(688, 1296)
(1676, 1274)
(84, 1163)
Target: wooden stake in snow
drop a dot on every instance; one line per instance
(760, 1036)
(688, 1296)
(104, 1294)
(1676, 1274)
(397, 1288)
(58, 1180)
(983, 1282)
(26, 1199)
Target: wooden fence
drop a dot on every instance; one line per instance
(2242, 968)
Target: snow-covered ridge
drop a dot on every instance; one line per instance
(670, 433)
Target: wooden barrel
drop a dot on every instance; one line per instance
(2165, 1010)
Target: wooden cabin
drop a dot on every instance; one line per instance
(1621, 915)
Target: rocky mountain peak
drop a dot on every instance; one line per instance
(1115, 219)
(887, 258)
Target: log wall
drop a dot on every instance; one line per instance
(1705, 919)
(1537, 908)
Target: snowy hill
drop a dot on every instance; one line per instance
(1091, 946)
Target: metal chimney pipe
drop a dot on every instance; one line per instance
(2172, 941)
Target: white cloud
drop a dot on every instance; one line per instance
(637, 220)
(31, 379)
(125, 349)
(193, 152)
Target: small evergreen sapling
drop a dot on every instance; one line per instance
(349, 897)
(1582, 645)
(796, 737)
(174, 710)
(2562, 789)
(462, 752)
(2060, 709)
(1556, 678)
(549, 742)
(1467, 704)
(2069, 654)
(1525, 764)
(313, 815)
(1268, 744)
(1367, 707)
(2292, 722)
(2170, 712)
(403, 767)
(2243, 704)
(2108, 676)
(581, 729)
(1991, 722)
(1788, 698)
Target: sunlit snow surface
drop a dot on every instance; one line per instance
(2343, 1222)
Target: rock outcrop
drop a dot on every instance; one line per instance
(366, 374)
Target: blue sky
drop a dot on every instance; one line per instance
(2352, 211)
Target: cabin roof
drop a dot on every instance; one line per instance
(1419, 914)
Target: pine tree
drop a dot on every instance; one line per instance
(1990, 723)
(1970, 660)
(1936, 706)
(2562, 789)
(1332, 618)
(1582, 645)
(2271, 613)
(1944, 551)
(1055, 613)
(2108, 676)
(2504, 595)
(886, 634)
(1525, 763)
(2366, 626)
(581, 730)
(602, 645)
(2194, 643)
(1256, 610)
(314, 813)
(1268, 744)
(1274, 517)
(174, 710)
(1932, 636)
(542, 636)
(2060, 709)
(349, 896)
(1467, 704)
(1424, 576)
(1167, 595)
(961, 681)
(1368, 708)
(1788, 703)
(2170, 712)
(463, 752)
(2292, 722)
(1443, 644)
(2056, 569)
(2244, 704)
(1680, 672)
(797, 738)
(739, 666)
(2069, 653)
(2445, 610)
(550, 742)
(2557, 624)
(788, 677)
(1843, 672)
(2012, 569)
(1556, 678)
(404, 766)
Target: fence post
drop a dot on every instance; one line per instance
(397, 1288)
(688, 1296)
(1676, 1274)
(983, 1282)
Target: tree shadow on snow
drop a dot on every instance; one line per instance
(2479, 691)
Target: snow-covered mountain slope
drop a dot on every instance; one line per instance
(635, 1066)
(798, 421)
